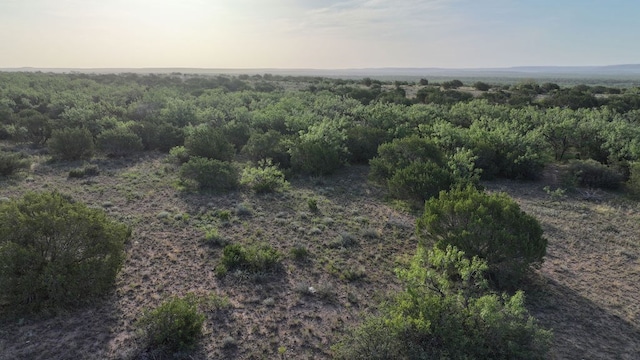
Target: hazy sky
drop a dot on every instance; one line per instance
(317, 34)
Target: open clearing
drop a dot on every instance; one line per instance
(587, 290)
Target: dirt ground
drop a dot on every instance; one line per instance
(587, 290)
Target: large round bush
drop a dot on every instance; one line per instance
(71, 144)
(119, 141)
(11, 163)
(210, 174)
(209, 142)
(490, 226)
(419, 181)
(56, 252)
(401, 153)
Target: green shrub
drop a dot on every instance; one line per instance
(633, 184)
(320, 149)
(56, 252)
(212, 236)
(71, 144)
(462, 164)
(254, 259)
(268, 145)
(590, 173)
(264, 179)
(299, 252)
(175, 325)
(453, 84)
(490, 226)
(363, 142)
(237, 133)
(119, 141)
(401, 153)
(10, 163)
(446, 313)
(210, 174)
(419, 181)
(87, 170)
(507, 151)
(315, 157)
(243, 209)
(413, 168)
(224, 215)
(481, 86)
(312, 204)
(209, 142)
(156, 135)
(36, 126)
(178, 155)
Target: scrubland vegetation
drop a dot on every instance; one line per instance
(248, 217)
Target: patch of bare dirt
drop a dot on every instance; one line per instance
(167, 257)
(586, 290)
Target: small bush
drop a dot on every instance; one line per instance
(462, 164)
(178, 155)
(343, 240)
(87, 170)
(71, 144)
(119, 141)
(10, 163)
(56, 252)
(590, 173)
(254, 259)
(265, 178)
(212, 237)
(224, 215)
(176, 325)
(312, 203)
(299, 252)
(453, 84)
(210, 174)
(491, 227)
(243, 209)
(481, 86)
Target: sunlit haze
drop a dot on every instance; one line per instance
(317, 34)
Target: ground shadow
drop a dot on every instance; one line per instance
(83, 333)
(582, 329)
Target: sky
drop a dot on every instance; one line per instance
(314, 34)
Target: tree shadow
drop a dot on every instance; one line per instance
(581, 328)
(83, 333)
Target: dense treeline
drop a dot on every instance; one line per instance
(505, 131)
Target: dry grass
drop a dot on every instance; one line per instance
(586, 290)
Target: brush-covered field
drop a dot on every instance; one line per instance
(283, 208)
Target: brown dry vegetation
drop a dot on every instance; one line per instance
(587, 290)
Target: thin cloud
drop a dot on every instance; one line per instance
(380, 18)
